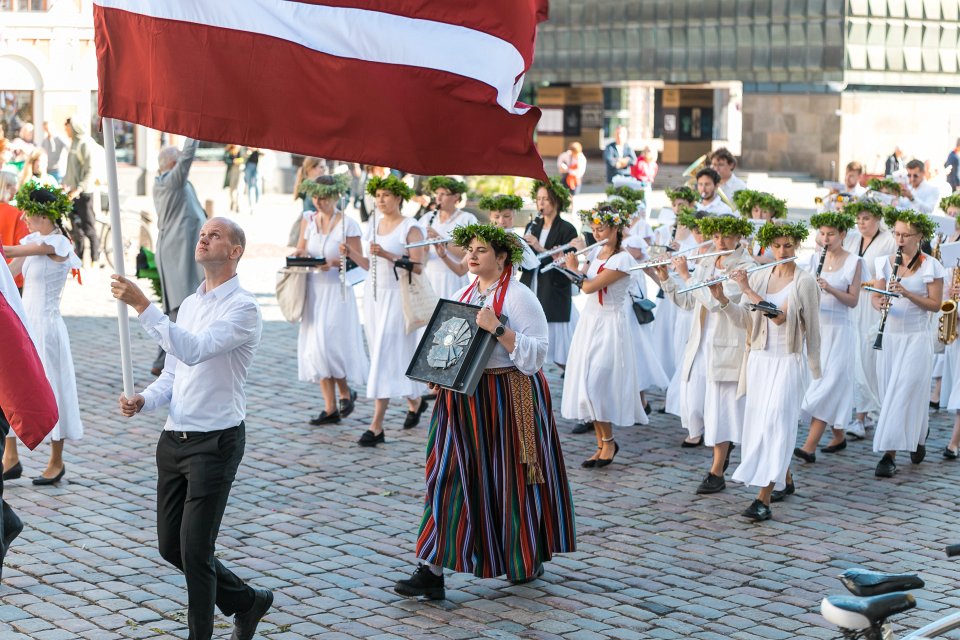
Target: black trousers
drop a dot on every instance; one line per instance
(84, 221)
(195, 474)
(10, 524)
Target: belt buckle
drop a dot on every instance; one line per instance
(182, 436)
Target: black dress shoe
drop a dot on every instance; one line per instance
(949, 453)
(423, 582)
(833, 448)
(413, 417)
(346, 406)
(41, 481)
(779, 494)
(726, 461)
(245, 624)
(326, 418)
(690, 445)
(758, 512)
(662, 409)
(370, 439)
(13, 472)
(803, 455)
(712, 484)
(10, 533)
(647, 409)
(935, 406)
(602, 462)
(886, 467)
(916, 457)
(582, 427)
(537, 572)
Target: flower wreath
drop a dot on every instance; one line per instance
(922, 223)
(683, 193)
(554, 186)
(445, 182)
(391, 183)
(841, 221)
(726, 226)
(322, 191)
(37, 200)
(500, 202)
(879, 184)
(606, 213)
(772, 230)
(496, 237)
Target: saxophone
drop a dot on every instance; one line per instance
(947, 331)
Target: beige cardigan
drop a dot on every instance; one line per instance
(728, 344)
(803, 320)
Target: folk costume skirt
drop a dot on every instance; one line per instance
(486, 512)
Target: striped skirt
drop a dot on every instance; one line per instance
(480, 514)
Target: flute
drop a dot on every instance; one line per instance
(549, 252)
(665, 261)
(559, 262)
(897, 262)
(428, 243)
(373, 257)
(343, 259)
(724, 278)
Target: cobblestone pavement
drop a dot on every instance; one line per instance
(330, 526)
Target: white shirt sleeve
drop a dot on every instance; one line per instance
(225, 334)
(526, 318)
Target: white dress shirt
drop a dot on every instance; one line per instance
(926, 197)
(716, 207)
(733, 185)
(209, 350)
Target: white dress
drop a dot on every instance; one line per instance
(830, 398)
(866, 319)
(774, 389)
(445, 282)
(905, 363)
(391, 347)
(950, 392)
(330, 343)
(650, 370)
(561, 333)
(601, 381)
(43, 280)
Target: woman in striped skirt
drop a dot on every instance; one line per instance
(497, 499)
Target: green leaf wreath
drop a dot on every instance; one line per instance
(496, 237)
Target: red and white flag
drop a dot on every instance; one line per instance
(426, 86)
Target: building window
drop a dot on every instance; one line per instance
(23, 5)
(17, 110)
(124, 134)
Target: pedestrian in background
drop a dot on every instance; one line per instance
(619, 156)
(53, 145)
(894, 163)
(233, 159)
(78, 183)
(251, 176)
(572, 165)
(952, 165)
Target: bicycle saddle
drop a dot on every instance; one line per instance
(861, 582)
(862, 613)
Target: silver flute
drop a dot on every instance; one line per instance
(665, 261)
(556, 264)
(373, 258)
(724, 278)
(428, 243)
(550, 252)
(343, 258)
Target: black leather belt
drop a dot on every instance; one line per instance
(183, 436)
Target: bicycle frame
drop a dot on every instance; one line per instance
(936, 628)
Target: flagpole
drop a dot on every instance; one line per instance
(116, 233)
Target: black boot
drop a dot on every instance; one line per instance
(423, 582)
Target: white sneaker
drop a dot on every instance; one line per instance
(856, 430)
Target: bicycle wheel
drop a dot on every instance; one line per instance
(106, 242)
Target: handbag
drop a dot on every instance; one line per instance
(417, 298)
(291, 293)
(643, 308)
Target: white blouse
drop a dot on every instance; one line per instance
(904, 316)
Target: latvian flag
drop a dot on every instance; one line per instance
(426, 86)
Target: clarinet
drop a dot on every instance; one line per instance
(897, 261)
(823, 257)
(533, 222)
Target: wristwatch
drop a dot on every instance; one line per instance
(499, 331)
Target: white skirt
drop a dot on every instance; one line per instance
(671, 401)
(650, 373)
(707, 408)
(774, 385)
(53, 347)
(330, 343)
(560, 335)
(866, 395)
(904, 367)
(662, 331)
(600, 382)
(831, 397)
(950, 392)
(391, 348)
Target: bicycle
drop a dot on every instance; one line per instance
(876, 597)
(135, 228)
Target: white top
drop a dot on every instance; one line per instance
(716, 207)
(328, 246)
(393, 242)
(525, 316)
(926, 198)
(614, 295)
(777, 338)
(882, 244)
(733, 185)
(458, 218)
(209, 350)
(904, 316)
(832, 311)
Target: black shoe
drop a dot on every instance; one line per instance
(326, 418)
(712, 484)
(41, 481)
(949, 453)
(582, 427)
(423, 582)
(346, 406)
(647, 409)
(13, 472)
(758, 512)
(726, 461)
(886, 467)
(833, 448)
(370, 439)
(934, 406)
(690, 445)
(916, 457)
(803, 455)
(779, 494)
(662, 409)
(537, 572)
(413, 417)
(589, 463)
(602, 462)
(245, 624)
